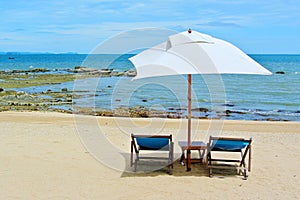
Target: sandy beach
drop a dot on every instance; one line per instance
(44, 156)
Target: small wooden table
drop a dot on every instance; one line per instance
(195, 145)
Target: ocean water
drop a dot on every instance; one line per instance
(246, 97)
(57, 62)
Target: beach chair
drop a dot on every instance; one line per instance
(229, 145)
(154, 143)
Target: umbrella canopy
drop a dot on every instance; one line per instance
(191, 52)
(194, 53)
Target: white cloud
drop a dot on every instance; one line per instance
(92, 21)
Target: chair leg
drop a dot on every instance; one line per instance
(136, 160)
(172, 155)
(245, 174)
(249, 159)
(208, 163)
(182, 158)
(170, 164)
(170, 161)
(135, 165)
(201, 156)
(210, 172)
(131, 155)
(242, 163)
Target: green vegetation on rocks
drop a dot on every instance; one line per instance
(17, 80)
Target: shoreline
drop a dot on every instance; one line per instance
(54, 92)
(204, 124)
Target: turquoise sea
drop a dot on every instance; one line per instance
(245, 97)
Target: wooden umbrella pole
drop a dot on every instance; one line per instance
(189, 108)
(188, 165)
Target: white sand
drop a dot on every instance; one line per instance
(42, 157)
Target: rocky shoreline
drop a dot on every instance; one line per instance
(18, 100)
(41, 76)
(63, 100)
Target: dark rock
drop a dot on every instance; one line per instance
(104, 113)
(130, 73)
(105, 71)
(56, 100)
(1, 89)
(235, 112)
(78, 67)
(93, 71)
(205, 117)
(37, 70)
(280, 72)
(144, 115)
(144, 100)
(64, 89)
(170, 116)
(117, 73)
(228, 105)
(200, 109)
(227, 112)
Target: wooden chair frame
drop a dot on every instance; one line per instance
(246, 151)
(135, 148)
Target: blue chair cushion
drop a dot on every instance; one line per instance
(229, 145)
(152, 143)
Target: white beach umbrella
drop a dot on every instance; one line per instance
(191, 52)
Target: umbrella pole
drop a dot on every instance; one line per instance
(188, 165)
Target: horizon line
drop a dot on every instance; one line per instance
(37, 52)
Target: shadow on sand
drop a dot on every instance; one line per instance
(155, 168)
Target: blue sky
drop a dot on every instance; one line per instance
(255, 26)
